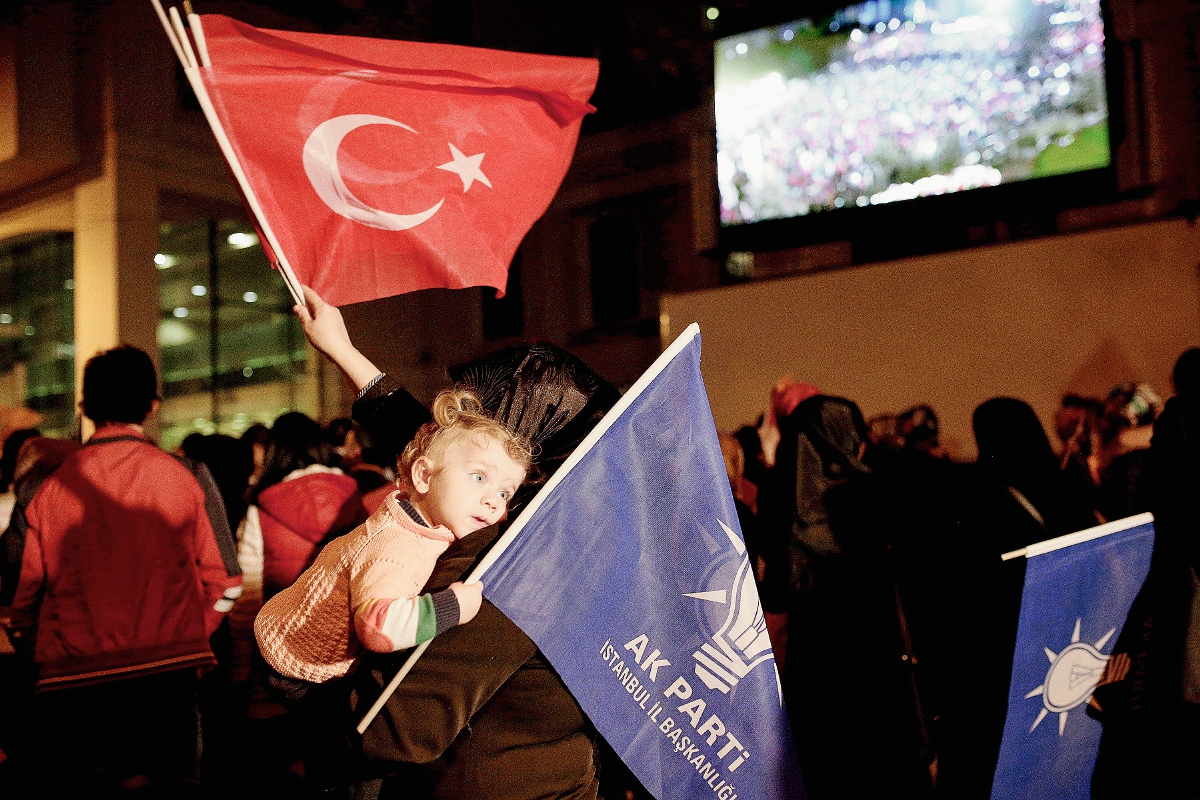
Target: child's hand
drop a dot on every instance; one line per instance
(323, 325)
(469, 596)
(325, 328)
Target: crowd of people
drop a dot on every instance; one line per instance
(212, 622)
(253, 513)
(893, 616)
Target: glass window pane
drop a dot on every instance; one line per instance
(215, 285)
(37, 328)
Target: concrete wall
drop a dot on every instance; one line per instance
(1031, 319)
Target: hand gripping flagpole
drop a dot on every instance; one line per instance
(503, 543)
(191, 67)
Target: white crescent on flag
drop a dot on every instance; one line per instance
(321, 166)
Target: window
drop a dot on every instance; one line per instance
(233, 353)
(37, 328)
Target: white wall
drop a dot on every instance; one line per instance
(1030, 319)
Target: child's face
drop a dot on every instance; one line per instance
(469, 487)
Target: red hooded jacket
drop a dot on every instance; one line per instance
(298, 515)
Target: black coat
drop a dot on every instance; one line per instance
(1151, 732)
(482, 713)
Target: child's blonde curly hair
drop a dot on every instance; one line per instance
(458, 413)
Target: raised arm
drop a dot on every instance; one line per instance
(325, 328)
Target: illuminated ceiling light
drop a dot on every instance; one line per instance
(240, 241)
(247, 372)
(741, 48)
(250, 297)
(163, 261)
(29, 330)
(180, 312)
(713, 12)
(5, 319)
(199, 291)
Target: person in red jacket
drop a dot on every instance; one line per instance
(121, 584)
(297, 505)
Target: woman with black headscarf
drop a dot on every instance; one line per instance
(482, 713)
(1017, 496)
(1015, 456)
(855, 714)
(1151, 713)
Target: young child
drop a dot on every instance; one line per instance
(460, 472)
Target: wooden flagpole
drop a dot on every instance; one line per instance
(505, 541)
(187, 57)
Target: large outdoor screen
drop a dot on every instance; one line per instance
(896, 99)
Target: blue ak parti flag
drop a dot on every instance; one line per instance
(1078, 591)
(630, 573)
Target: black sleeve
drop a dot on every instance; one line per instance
(12, 542)
(390, 414)
(12, 550)
(214, 508)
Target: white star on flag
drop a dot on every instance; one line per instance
(466, 167)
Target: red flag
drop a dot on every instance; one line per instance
(382, 166)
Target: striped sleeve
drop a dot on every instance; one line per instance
(386, 625)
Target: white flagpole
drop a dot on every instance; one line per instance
(193, 75)
(177, 24)
(1079, 537)
(201, 45)
(162, 17)
(503, 543)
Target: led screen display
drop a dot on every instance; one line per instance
(896, 99)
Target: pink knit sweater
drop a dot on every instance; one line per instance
(307, 630)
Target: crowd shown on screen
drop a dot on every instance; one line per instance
(858, 133)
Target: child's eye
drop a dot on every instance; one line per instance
(504, 495)
(477, 477)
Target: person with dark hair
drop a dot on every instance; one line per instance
(254, 439)
(121, 585)
(1129, 414)
(1014, 495)
(298, 504)
(918, 428)
(371, 467)
(1185, 377)
(336, 432)
(192, 446)
(884, 432)
(375, 467)
(230, 464)
(1078, 424)
(482, 714)
(1015, 457)
(843, 620)
(1151, 710)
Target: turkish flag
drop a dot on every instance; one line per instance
(383, 166)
